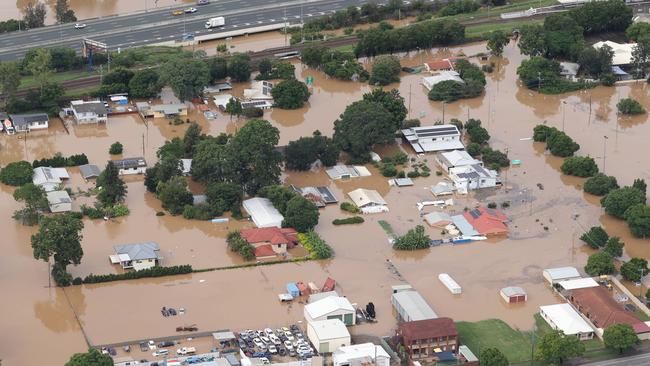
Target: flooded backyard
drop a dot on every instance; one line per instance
(544, 231)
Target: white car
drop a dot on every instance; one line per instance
(272, 349)
(258, 343)
(268, 331)
(266, 340)
(265, 361)
(160, 352)
(275, 339)
(288, 335)
(190, 10)
(80, 25)
(288, 345)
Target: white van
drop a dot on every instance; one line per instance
(160, 352)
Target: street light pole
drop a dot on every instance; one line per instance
(563, 114)
(605, 138)
(443, 112)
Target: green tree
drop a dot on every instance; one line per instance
(59, 237)
(620, 337)
(112, 188)
(614, 246)
(279, 195)
(640, 184)
(211, 161)
(555, 347)
(218, 67)
(9, 78)
(119, 75)
(116, 148)
(579, 166)
(560, 144)
(63, 12)
(634, 269)
(600, 263)
(473, 149)
(493, 357)
(265, 66)
(233, 107)
(39, 66)
(224, 197)
(629, 106)
(238, 244)
(496, 41)
(35, 201)
(186, 77)
(596, 237)
(35, 15)
(172, 148)
(385, 70)
(174, 195)
(641, 56)
(362, 125)
(91, 358)
(166, 168)
(478, 135)
(603, 16)
(192, 136)
(538, 71)
(619, 200)
(638, 219)
(414, 239)
(301, 214)
(392, 101)
(302, 153)
(17, 173)
(145, 83)
(596, 62)
(637, 30)
(64, 58)
(312, 56)
(290, 94)
(447, 91)
(600, 184)
(239, 67)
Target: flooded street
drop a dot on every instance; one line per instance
(543, 232)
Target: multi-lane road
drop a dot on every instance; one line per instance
(156, 26)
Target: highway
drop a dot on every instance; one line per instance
(637, 360)
(157, 26)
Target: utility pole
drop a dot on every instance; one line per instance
(443, 112)
(605, 138)
(539, 80)
(285, 27)
(410, 85)
(143, 145)
(563, 113)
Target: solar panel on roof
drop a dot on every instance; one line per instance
(475, 213)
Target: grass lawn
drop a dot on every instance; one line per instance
(80, 92)
(496, 333)
(29, 81)
(641, 315)
(346, 48)
(481, 30)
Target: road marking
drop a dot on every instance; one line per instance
(309, 15)
(159, 38)
(235, 26)
(259, 22)
(321, 13)
(273, 20)
(247, 23)
(297, 16)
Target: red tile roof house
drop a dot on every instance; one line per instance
(422, 338)
(270, 242)
(487, 221)
(598, 305)
(439, 65)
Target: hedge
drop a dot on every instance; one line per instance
(58, 161)
(133, 275)
(347, 206)
(317, 247)
(349, 220)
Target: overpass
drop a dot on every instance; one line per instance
(158, 26)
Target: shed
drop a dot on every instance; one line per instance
(554, 275)
(449, 282)
(361, 354)
(292, 289)
(328, 335)
(438, 219)
(262, 212)
(59, 201)
(442, 189)
(565, 318)
(410, 306)
(89, 171)
(130, 166)
(368, 200)
(467, 354)
(578, 283)
(400, 288)
(513, 294)
(321, 295)
(331, 307)
(224, 335)
(403, 182)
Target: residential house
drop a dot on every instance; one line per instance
(433, 138)
(328, 335)
(555, 275)
(513, 294)
(331, 307)
(262, 104)
(368, 200)
(259, 90)
(410, 306)
(270, 241)
(28, 122)
(262, 212)
(217, 88)
(465, 228)
(423, 340)
(186, 166)
(221, 100)
(137, 256)
(444, 64)
(565, 318)
(89, 171)
(622, 52)
(130, 166)
(363, 354)
(320, 196)
(49, 178)
(454, 159)
(59, 201)
(430, 81)
(347, 171)
(169, 110)
(89, 112)
(487, 221)
(471, 177)
(569, 70)
(598, 305)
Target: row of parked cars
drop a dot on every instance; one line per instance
(268, 342)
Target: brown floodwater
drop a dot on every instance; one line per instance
(544, 232)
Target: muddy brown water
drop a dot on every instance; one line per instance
(543, 231)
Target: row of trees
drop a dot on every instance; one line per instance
(334, 63)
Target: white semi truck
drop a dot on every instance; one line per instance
(215, 22)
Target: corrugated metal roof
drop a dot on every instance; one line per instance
(463, 225)
(328, 305)
(412, 303)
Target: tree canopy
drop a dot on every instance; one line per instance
(555, 347)
(91, 358)
(614, 246)
(17, 173)
(35, 201)
(224, 196)
(145, 83)
(638, 219)
(600, 263)
(600, 184)
(619, 200)
(279, 196)
(186, 77)
(113, 189)
(579, 166)
(239, 67)
(290, 94)
(493, 357)
(385, 70)
(496, 41)
(414, 239)
(634, 269)
(596, 237)
(392, 101)
(620, 337)
(59, 237)
(174, 195)
(302, 153)
(629, 106)
(301, 214)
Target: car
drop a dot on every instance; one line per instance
(259, 333)
(266, 340)
(272, 349)
(177, 12)
(265, 361)
(190, 10)
(258, 342)
(288, 345)
(629, 307)
(127, 348)
(292, 353)
(268, 331)
(143, 347)
(242, 344)
(275, 339)
(282, 351)
(284, 329)
(160, 352)
(202, 2)
(164, 344)
(259, 355)
(79, 25)
(288, 335)
(295, 328)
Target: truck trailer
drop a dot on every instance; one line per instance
(215, 22)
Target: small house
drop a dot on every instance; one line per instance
(320, 196)
(565, 318)
(59, 201)
(328, 335)
(438, 219)
(555, 275)
(270, 241)
(442, 189)
(89, 171)
(487, 221)
(513, 294)
(368, 200)
(465, 228)
(424, 340)
(130, 166)
(455, 158)
(49, 178)
(261, 104)
(29, 122)
(471, 177)
(433, 138)
(347, 171)
(361, 354)
(262, 212)
(221, 100)
(331, 307)
(430, 81)
(137, 256)
(168, 110)
(89, 112)
(439, 65)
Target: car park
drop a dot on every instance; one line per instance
(275, 339)
(258, 342)
(288, 345)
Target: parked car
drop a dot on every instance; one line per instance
(288, 335)
(127, 348)
(268, 331)
(152, 345)
(292, 353)
(266, 340)
(202, 2)
(143, 347)
(242, 344)
(275, 339)
(258, 342)
(272, 349)
(260, 354)
(164, 344)
(265, 361)
(295, 328)
(288, 345)
(160, 352)
(282, 351)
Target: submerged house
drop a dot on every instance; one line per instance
(368, 200)
(454, 159)
(49, 178)
(137, 256)
(433, 138)
(470, 177)
(29, 122)
(262, 212)
(270, 241)
(487, 221)
(89, 112)
(59, 201)
(430, 81)
(130, 166)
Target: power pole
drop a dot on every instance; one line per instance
(143, 145)
(604, 152)
(285, 27)
(410, 85)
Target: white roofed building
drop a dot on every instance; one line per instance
(622, 51)
(455, 158)
(433, 138)
(49, 178)
(470, 177)
(262, 212)
(59, 201)
(578, 283)
(361, 355)
(328, 335)
(430, 81)
(368, 200)
(137, 256)
(331, 307)
(554, 275)
(565, 318)
(410, 306)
